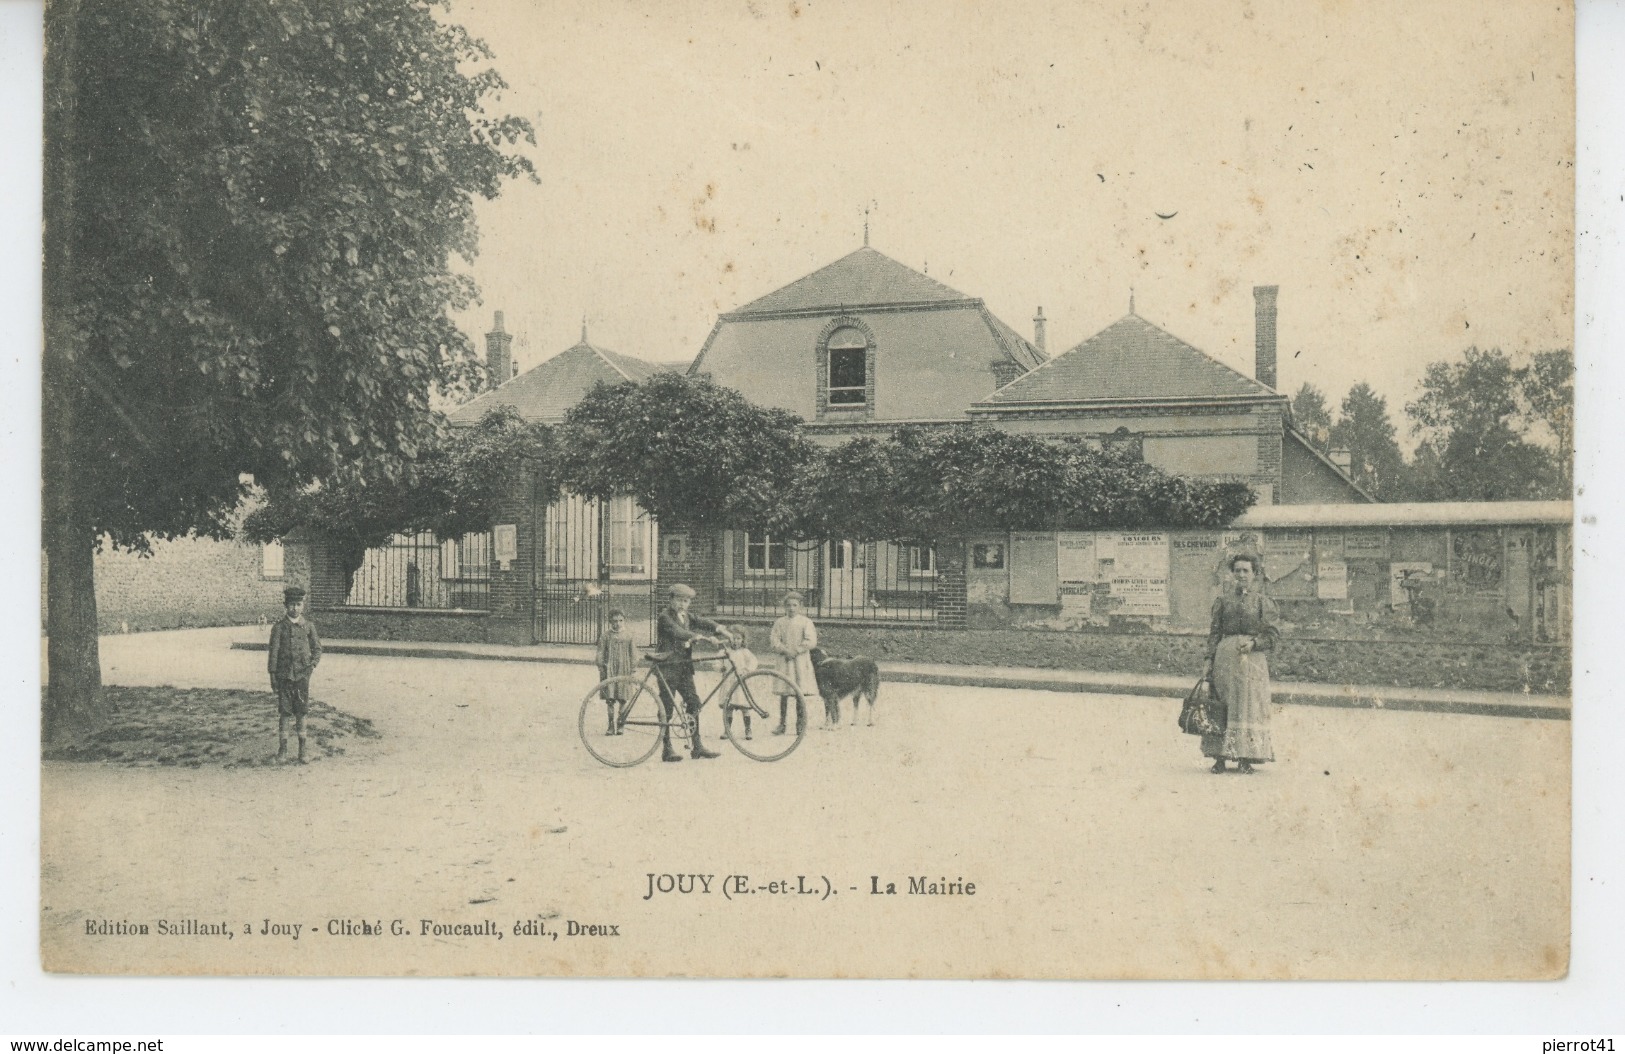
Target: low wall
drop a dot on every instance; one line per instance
(471, 627)
(1399, 664)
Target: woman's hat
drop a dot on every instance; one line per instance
(680, 590)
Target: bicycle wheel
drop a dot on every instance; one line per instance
(635, 731)
(764, 688)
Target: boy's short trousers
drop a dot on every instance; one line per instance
(293, 697)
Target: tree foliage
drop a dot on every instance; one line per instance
(252, 213)
(1471, 420)
(1364, 429)
(691, 452)
(456, 486)
(699, 455)
(1312, 417)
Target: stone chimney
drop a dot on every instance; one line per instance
(1040, 337)
(1264, 333)
(499, 353)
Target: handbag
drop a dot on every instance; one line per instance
(1202, 715)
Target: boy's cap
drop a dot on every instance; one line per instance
(680, 590)
(291, 594)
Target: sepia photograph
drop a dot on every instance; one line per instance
(786, 489)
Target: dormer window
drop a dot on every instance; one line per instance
(848, 368)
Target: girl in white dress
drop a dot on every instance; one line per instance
(793, 638)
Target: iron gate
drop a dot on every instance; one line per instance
(593, 557)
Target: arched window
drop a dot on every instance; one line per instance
(848, 367)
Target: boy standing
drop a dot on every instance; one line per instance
(295, 651)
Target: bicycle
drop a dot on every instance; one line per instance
(630, 734)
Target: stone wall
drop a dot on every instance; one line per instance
(188, 582)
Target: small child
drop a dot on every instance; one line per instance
(295, 651)
(615, 659)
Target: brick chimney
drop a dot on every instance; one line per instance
(1264, 333)
(1039, 335)
(499, 353)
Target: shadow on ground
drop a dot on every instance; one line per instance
(194, 727)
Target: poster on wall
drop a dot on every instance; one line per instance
(1140, 573)
(1075, 556)
(1286, 553)
(1332, 580)
(1032, 568)
(1401, 572)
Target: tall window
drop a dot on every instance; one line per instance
(848, 367)
(628, 537)
(763, 553)
(921, 561)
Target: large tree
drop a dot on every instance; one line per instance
(1364, 429)
(252, 211)
(1470, 418)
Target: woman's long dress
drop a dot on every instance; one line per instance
(792, 641)
(1242, 681)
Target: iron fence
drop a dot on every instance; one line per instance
(421, 571)
(839, 579)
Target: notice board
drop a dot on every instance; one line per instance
(1033, 578)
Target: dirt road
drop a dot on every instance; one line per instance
(1381, 844)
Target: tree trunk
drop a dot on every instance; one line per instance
(73, 698)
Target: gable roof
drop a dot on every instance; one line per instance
(858, 279)
(1130, 360)
(547, 391)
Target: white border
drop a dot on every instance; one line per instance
(31, 1002)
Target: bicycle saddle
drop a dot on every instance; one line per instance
(652, 655)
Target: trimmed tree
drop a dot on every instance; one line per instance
(251, 213)
(455, 486)
(691, 452)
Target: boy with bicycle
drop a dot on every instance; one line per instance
(675, 633)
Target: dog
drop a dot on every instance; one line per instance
(858, 677)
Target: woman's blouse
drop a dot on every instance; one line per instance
(1243, 615)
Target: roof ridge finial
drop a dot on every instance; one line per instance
(583, 327)
(866, 226)
(1131, 300)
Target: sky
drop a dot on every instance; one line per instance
(1403, 171)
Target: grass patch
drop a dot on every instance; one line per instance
(193, 727)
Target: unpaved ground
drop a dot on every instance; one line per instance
(1382, 844)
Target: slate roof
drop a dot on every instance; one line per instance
(1129, 360)
(862, 278)
(545, 392)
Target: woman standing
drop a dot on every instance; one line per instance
(792, 641)
(1242, 637)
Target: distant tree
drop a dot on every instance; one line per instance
(1365, 431)
(691, 452)
(1546, 390)
(1469, 419)
(251, 212)
(1311, 416)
